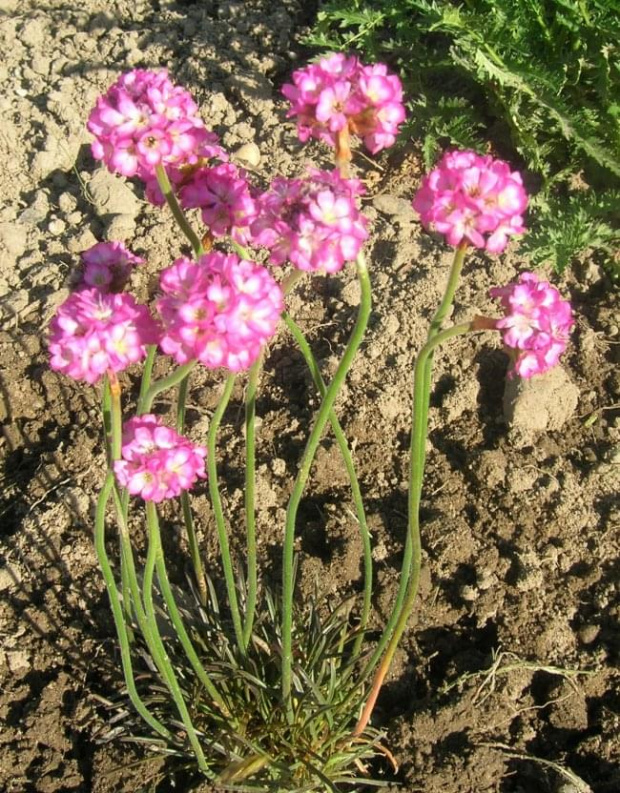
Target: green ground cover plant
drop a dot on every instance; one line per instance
(539, 77)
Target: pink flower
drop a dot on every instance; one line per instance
(107, 266)
(144, 120)
(473, 199)
(220, 310)
(94, 332)
(536, 324)
(195, 161)
(338, 93)
(314, 222)
(157, 463)
(223, 194)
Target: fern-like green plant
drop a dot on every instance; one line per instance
(544, 75)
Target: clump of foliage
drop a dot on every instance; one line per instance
(544, 74)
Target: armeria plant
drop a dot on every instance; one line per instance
(251, 689)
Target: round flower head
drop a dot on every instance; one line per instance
(536, 324)
(107, 266)
(94, 332)
(157, 463)
(223, 194)
(220, 310)
(206, 155)
(314, 222)
(144, 120)
(338, 93)
(473, 199)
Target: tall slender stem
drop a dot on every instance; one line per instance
(250, 506)
(416, 474)
(218, 512)
(179, 215)
(165, 383)
(113, 417)
(302, 478)
(173, 611)
(117, 611)
(188, 518)
(319, 383)
(160, 655)
(147, 373)
(425, 374)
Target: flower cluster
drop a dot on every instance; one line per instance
(473, 199)
(313, 223)
(220, 310)
(223, 195)
(339, 93)
(144, 120)
(107, 266)
(157, 463)
(536, 324)
(95, 331)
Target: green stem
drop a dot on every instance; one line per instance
(416, 474)
(114, 425)
(117, 611)
(250, 505)
(306, 351)
(194, 548)
(419, 458)
(147, 372)
(153, 558)
(218, 512)
(302, 478)
(182, 403)
(164, 383)
(179, 215)
(173, 611)
(188, 518)
(106, 409)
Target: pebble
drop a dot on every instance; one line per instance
(541, 404)
(469, 593)
(56, 227)
(248, 153)
(67, 202)
(37, 211)
(588, 633)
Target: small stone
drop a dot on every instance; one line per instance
(539, 404)
(588, 633)
(469, 593)
(57, 227)
(37, 211)
(67, 202)
(75, 218)
(248, 154)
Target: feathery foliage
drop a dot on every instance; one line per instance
(541, 74)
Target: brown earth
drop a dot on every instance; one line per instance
(507, 678)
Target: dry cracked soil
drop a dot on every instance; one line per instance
(507, 677)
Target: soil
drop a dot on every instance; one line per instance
(507, 677)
